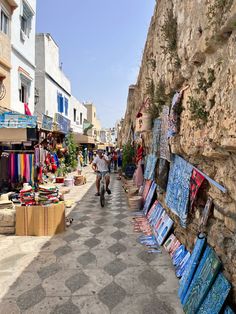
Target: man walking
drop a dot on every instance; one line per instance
(101, 166)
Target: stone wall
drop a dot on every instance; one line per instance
(193, 42)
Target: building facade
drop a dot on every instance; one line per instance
(77, 115)
(93, 119)
(52, 85)
(23, 55)
(6, 10)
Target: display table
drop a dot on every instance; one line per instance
(40, 220)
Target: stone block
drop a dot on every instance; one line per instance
(218, 215)
(229, 144)
(7, 217)
(230, 223)
(7, 230)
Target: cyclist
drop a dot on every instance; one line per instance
(101, 166)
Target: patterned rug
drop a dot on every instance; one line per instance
(164, 146)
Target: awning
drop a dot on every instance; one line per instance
(83, 139)
(13, 135)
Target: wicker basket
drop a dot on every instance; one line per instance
(132, 191)
(79, 180)
(135, 203)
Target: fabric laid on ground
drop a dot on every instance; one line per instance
(156, 135)
(149, 198)
(216, 297)
(156, 214)
(163, 172)
(192, 265)
(149, 173)
(202, 281)
(164, 145)
(177, 195)
(196, 181)
(147, 186)
(173, 120)
(169, 242)
(180, 269)
(162, 231)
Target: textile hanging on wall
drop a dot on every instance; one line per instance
(21, 168)
(177, 195)
(149, 198)
(156, 135)
(149, 173)
(156, 214)
(216, 297)
(196, 181)
(147, 186)
(162, 231)
(173, 120)
(206, 212)
(228, 310)
(164, 146)
(191, 268)
(163, 172)
(202, 281)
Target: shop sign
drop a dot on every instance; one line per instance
(47, 123)
(63, 124)
(17, 121)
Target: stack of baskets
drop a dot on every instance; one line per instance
(79, 180)
(135, 203)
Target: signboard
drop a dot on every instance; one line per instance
(47, 122)
(17, 121)
(63, 124)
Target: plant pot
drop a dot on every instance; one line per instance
(60, 180)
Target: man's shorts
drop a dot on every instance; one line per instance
(105, 173)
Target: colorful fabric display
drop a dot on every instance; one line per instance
(216, 297)
(155, 216)
(156, 135)
(162, 175)
(48, 195)
(27, 197)
(168, 243)
(21, 168)
(191, 268)
(163, 230)
(138, 175)
(164, 145)
(202, 281)
(180, 269)
(149, 198)
(179, 255)
(147, 186)
(196, 181)
(177, 195)
(149, 173)
(228, 310)
(174, 247)
(152, 210)
(173, 116)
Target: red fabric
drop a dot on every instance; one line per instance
(139, 155)
(195, 183)
(27, 111)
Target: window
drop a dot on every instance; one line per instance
(74, 115)
(66, 106)
(24, 88)
(26, 20)
(23, 93)
(81, 118)
(60, 105)
(4, 23)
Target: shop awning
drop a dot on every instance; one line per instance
(13, 135)
(83, 139)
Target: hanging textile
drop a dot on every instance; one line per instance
(206, 213)
(228, 310)
(216, 297)
(173, 123)
(202, 281)
(196, 181)
(163, 172)
(138, 175)
(177, 195)
(164, 146)
(149, 173)
(149, 198)
(156, 134)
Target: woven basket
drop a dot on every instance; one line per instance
(79, 180)
(135, 203)
(132, 191)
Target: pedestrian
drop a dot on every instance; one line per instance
(100, 165)
(119, 163)
(115, 158)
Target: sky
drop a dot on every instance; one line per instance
(101, 44)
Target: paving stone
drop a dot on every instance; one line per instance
(66, 308)
(71, 237)
(86, 258)
(121, 216)
(118, 235)
(91, 243)
(78, 226)
(115, 267)
(151, 278)
(101, 221)
(62, 250)
(30, 298)
(117, 248)
(48, 271)
(84, 218)
(154, 304)
(112, 295)
(96, 230)
(77, 281)
(146, 257)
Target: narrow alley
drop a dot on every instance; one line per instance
(95, 267)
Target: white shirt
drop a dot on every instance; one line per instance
(101, 164)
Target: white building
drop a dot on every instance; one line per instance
(77, 115)
(52, 85)
(23, 55)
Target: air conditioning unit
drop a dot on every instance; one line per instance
(22, 35)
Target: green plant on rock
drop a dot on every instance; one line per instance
(216, 12)
(128, 154)
(198, 109)
(203, 83)
(71, 155)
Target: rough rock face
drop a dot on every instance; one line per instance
(193, 42)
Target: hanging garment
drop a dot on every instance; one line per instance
(177, 195)
(156, 135)
(196, 181)
(138, 175)
(164, 145)
(149, 173)
(27, 110)
(162, 173)
(173, 118)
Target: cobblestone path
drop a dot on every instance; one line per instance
(95, 267)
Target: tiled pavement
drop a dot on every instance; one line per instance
(95, 267)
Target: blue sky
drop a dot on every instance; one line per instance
(101, 44)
